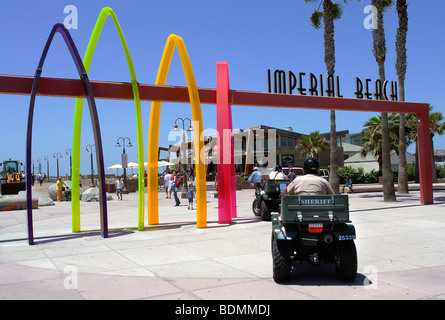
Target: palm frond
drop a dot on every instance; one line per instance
(337, 11)
(315, 19)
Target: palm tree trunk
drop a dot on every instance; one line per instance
(333, 175)
(403, 173)
(379, 45)
(329, 58)
(401, 71)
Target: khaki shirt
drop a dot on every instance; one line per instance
(309, 184)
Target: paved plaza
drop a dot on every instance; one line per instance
(401, 253)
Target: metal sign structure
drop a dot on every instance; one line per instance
(58, 87)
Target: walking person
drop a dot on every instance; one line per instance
(190, 194)
(171, 183)
(119, 188)
(60, 188)
(40, 178)
(291, 176)
(176, 187)
(167, 183)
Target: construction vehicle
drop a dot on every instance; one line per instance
(11, 180)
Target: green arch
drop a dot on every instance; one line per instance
(75, 204)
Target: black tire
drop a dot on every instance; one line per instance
(346, 261)
(265, 212)
(255, 208)
(281, 260)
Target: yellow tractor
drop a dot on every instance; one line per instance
(11, 180)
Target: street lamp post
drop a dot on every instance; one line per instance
(40, 164)
(92, 169)
(124, 158)
(47, 166)
(71, 162)
(184, 153)
(175, 128)
(57, 158)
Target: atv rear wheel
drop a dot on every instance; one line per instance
(281, 260)
(346, 261)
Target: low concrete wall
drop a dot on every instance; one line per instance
(16, 203)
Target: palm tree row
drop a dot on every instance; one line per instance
(371, 135)
(332, 11)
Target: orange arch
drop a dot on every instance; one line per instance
(153, 134)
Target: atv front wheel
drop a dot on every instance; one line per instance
(265, 211)
(256, 208)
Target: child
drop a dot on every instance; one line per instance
(191, 192)
(119, 188)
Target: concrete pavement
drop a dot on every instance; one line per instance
(401, 253)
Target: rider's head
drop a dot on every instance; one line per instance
(278, 168)
(311, 165)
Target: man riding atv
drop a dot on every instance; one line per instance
(268, 193)
(313, 226)
(310, 182)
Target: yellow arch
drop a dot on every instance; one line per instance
(153, 135)
(105, 12)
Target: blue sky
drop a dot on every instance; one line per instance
(253, 36)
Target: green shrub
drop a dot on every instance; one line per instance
(411, 170)
(440, 172)
(357, 175)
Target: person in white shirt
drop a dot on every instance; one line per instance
(167, 182)
(119, 188)
(277, 174)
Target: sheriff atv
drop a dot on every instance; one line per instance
(313, 229)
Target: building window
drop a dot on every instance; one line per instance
(283, 142)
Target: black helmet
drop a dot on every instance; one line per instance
(311, 165)
(278, 168)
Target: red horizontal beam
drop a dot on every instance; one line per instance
(57, 87)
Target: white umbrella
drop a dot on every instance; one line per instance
(164, 163)
(132, 165)
(116, 166)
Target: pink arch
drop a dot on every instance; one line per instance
(226, 167)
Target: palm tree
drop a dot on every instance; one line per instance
(401, 71)
(437, 126)
(311, 145)
(331, 11)
(379, 50)
(371, 137)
